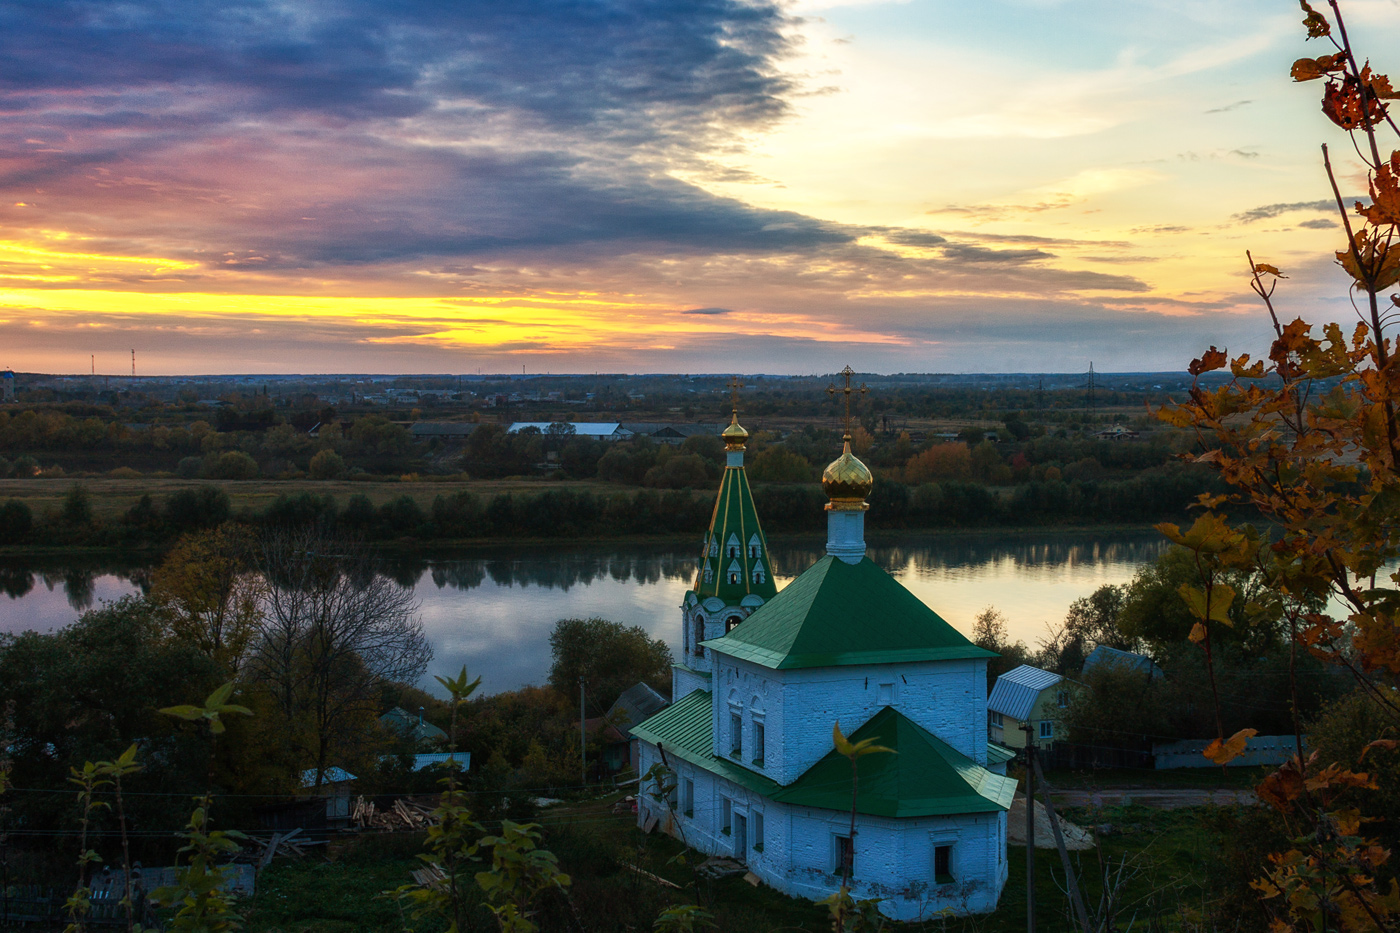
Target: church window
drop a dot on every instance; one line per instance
(714, 547)
(730, 622)
(736, 734)
(733, 576)
(709, 574)
(699, 636)
(758, 743)
(758, 830)
(844, 856)
(885, 694)
(732, 546)
(726, 815)
(688, 797)
(943, 864)
(754, 546)
(758, 574)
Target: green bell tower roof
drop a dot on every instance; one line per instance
(734, 562)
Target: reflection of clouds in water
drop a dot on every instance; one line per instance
(494, 614)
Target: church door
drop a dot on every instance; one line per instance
(741, 836)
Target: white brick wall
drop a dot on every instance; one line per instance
(894, 858)
(948, 698)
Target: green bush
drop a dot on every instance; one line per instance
(77, 506)
(232, 464)
(193, 509)
(327, 465)
(189, 467)
(15, 521)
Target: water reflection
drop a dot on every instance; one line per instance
(493, 611)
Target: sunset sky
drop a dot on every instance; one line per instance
(659, 185)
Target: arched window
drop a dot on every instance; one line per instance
(758, 574)
(714, 547)
(730, 622)
(699, 636)
(709, 574)
(734, 576)
(754, 546)
(733, 550)
(753, 550)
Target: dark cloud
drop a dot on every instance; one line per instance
(915, 238)
(1270, 211)
(962, 252)
(708, 311)
(1319, 223)
(1228, 107)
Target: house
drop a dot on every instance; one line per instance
(1027, 695)
(1104, 656)
(412, 726)
(445, 429)
(593, 430)
(335, 788)
(637, 703)
(462, 761)
(763, 676)
(664, 432)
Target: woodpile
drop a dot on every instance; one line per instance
(404, 814)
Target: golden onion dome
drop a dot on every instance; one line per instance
(846, 481)
(734, 436)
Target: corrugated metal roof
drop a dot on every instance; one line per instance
(331, 776)
(1103, 655)
(1016, 691)
(998, 754)
(837, 613)
(581, 428)
(431, 759)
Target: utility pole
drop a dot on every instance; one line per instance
(133, 364)
(1030, 826)
(582, 736)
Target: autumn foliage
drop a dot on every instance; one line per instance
(1310, 438)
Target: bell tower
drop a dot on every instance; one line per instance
(734, 575)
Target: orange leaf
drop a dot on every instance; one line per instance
(1380, 261)
(1317, 23)
(1308, 69)
(1387, 744)
(1385, 194)
(1342, 103)
(1380, 86)
(1212, 359)
(1282, 787)
(1198, 635)
(1227, 751)
(1262, 267)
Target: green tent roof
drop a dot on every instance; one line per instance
(838, 613)
(925, 777)
(729, 543)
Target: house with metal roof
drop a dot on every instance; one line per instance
(1103, 657)
(1028, 696)
(746, 750)
(593, 430)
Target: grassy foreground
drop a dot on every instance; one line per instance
(1167, 856)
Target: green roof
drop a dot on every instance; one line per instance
(839, 613)
(998, 754)
(925, 777)
(729, 545)
(683, 731)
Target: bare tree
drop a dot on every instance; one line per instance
(333, 631)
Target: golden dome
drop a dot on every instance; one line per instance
(846, 481)
(734, 435)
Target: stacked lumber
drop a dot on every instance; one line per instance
(404, 814)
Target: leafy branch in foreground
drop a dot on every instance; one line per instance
(202, 905)
(1310, 439)
(847, 914)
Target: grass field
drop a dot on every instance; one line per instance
(1166, 854)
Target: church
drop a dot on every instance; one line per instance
(765, 674)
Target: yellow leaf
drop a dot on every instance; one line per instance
(1262, 267)
(1230, 749)
(1198, 633)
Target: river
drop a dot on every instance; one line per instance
(493, 611)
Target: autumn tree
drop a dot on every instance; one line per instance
(333, 631)
(209, 591)
(608, 656)
(1310, 439)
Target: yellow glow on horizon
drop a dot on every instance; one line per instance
(15, 251)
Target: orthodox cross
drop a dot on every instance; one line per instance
(831, 390)
(734, 385)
